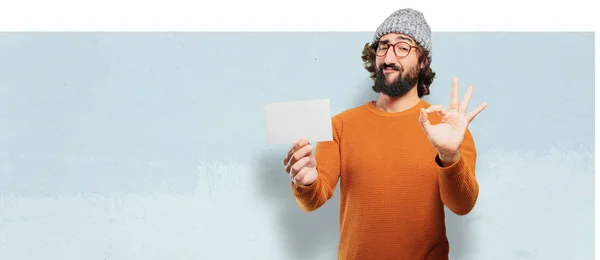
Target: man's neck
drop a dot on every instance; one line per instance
(398, 104)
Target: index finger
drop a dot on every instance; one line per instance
(297, 146)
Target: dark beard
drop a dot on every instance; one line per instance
(399, 87)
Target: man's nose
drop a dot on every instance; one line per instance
(390, 56)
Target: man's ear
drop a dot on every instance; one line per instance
(422, 59)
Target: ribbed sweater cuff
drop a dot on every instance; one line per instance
(301, 190)
(452, 170)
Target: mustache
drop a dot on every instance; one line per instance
(392, 66)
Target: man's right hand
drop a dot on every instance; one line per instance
(300, 163)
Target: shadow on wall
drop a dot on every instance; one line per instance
(308, 235)
(458, 233)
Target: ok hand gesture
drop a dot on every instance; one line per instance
(447, 136)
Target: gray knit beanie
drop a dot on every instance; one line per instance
(406, 21)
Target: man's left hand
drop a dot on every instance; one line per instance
(447, 136)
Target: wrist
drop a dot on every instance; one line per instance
(447, 159)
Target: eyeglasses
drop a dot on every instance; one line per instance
(401, 49)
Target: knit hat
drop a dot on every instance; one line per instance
(406, 21)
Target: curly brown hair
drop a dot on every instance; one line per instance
(426, 75)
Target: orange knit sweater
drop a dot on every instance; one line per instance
(392, 189)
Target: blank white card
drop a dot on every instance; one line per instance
(288, 122)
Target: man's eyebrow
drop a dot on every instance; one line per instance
(401, 37)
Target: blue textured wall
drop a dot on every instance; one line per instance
(152, 146)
